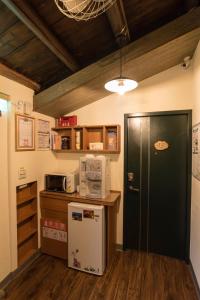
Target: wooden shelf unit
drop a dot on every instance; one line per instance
(108, 135)
(27, 223)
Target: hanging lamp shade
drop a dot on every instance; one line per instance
(83, 9)
(121, 84)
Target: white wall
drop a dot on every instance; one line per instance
(195, 215)
(169, 90)
(36, 163)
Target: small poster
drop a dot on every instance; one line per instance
(54, 229)
(196, 151)
(43, 135)
(54, 234)
(55, 224)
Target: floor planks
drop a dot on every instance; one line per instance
(132, 276)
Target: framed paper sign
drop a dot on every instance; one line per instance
(43, 135)
(25, 131)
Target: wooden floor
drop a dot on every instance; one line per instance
(131, 276)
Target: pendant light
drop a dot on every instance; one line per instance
(83, 10)
(121, 84)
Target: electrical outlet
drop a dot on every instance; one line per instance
(22, 173)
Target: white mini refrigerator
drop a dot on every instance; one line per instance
(86, 237)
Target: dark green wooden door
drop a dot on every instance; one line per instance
(157, 183)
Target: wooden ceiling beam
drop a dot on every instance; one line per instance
(190, 4)
(31, 19)
(117, 18)
(139, 68)
(13, 75)
(145, 57)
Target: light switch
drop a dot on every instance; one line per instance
(22, 173)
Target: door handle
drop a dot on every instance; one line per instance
(131, 188)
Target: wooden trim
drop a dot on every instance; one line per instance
(4, 96)
(2, 294)
(111, 233)
(87, 126)
(158, 113)
(110, 200)
(117, 18)
(194, 278)
(30, 18)
(125, 176)
(119, 247)
(189, 181)
(88, 151)
(13, 75)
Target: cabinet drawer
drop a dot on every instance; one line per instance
(53, 247)
(53, 204)
(53, 214)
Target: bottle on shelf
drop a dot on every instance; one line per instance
(78, 140)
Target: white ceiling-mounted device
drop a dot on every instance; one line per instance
(186, 62)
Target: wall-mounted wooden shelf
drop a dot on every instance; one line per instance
(79, 138)
(26, 235)
(26, 192)
(22, 218)
(27, 224)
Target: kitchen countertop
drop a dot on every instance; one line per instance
(110, 200)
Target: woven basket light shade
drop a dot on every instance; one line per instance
(83, 9)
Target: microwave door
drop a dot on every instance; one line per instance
(54, 183)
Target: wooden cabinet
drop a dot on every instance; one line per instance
(54, 208)
(83, 139)
(27, 232)
(53, 218)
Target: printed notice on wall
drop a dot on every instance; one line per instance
(43, 135)
(196, 151)
(43, 126)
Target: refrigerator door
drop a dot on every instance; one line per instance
(86, 238)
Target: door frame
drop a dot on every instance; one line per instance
(188, 113)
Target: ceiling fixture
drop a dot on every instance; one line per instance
(121, 84)
(83, 9)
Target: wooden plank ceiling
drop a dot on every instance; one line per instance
(45, 46)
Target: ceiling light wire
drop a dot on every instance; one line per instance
(121, 84)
